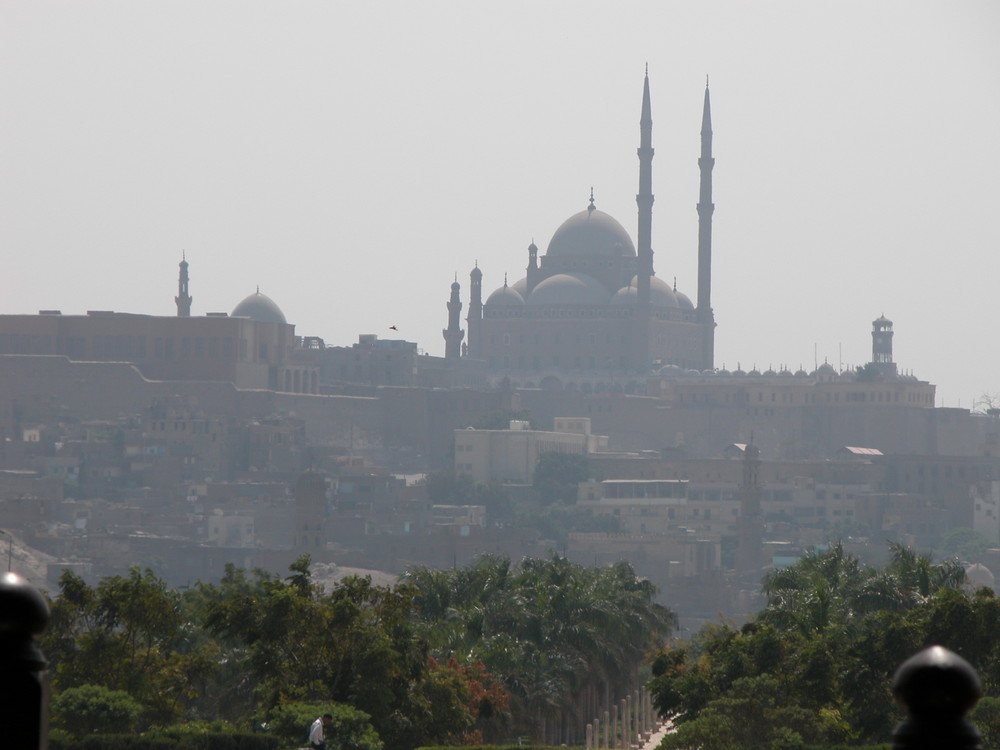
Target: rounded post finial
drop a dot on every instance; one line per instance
(938, 688)
(23, 610)
(24, 613)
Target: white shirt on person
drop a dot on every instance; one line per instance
(316, 731)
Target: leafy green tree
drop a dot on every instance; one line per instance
(126, 633)
(228, 690)
(354, 645)
(758, 713)
(818, 660)
(552, 632)
(92, 709)
(918, 577)
(557, 476)
(986, 717)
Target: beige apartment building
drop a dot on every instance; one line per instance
(510, 455)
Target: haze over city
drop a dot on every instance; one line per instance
(351, 159)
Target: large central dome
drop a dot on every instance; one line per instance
(588, 233)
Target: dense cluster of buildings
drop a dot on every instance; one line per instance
(188, 441)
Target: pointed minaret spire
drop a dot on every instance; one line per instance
(705, 210)
(532, 273)
(453, 334)
(183, 299)
(644, 199)
(475, 317)
(642, 333)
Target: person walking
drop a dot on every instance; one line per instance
(316, 738)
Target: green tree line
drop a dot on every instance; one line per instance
(815, 666)
(481, 653)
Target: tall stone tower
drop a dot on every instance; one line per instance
(705, 210)
(183, 299)
(475, 311)
(882, 347)
(644, 248)
(453, 334)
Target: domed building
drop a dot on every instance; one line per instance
(592, 308)
(261, 308)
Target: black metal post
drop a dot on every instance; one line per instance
(938, 688)
(23, 697)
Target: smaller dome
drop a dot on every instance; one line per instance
(800, 373)
(569, 289)
(627, 295)
(259, 307)
(825, 369)
(682, 301)
(505, 296)
(660, 293)
(978, 575)
(521, 287)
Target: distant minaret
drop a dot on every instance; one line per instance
(748, 554)
(644, 200)
(183, 299)
(453, 334)
(882, 347)
(705, 210)
(532, 275)
(475, 310)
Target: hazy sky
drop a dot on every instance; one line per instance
(350, 158)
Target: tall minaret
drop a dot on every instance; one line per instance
(645, 197)
(644, 200)
(532, 274)
(453, 334)
(183, 299)
(705, 210)
(475, 310)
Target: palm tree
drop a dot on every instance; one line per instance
(918, 577)
(558, 635)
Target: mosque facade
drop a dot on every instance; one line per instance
(592, 310)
